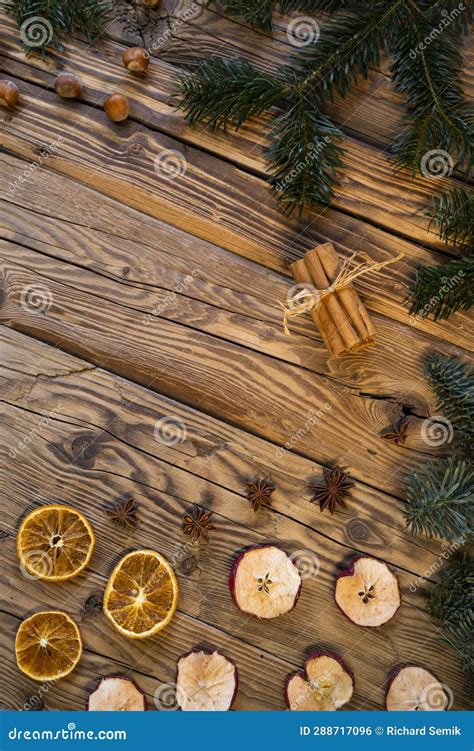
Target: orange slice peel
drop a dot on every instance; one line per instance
(141, 595)
(54, 543)
(48, 645)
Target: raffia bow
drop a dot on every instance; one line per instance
(305, 300)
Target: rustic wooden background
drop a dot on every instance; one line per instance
(161, 300)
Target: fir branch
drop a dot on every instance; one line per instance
(226, 92)
(304, 157)
(453, 212)
(258, 13)
(441, 500)
(453, 383)
(440, 291)
(348, 44)
(426, 68)
(452, 606)
(44, 23)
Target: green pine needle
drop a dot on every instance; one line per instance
(440, 291)
(441, 500)
(304, 157)
(424, 39)
(226, 92)
(452, 606)
(44, 23)
(258, 13)
(453, 383)
(453, 212)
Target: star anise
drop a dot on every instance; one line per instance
(397, 434)
(124, 513)
(259, 494)
(197, 524)
(333, 492)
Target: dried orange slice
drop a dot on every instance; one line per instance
(141, 595)
(48, 645)
(54, 543)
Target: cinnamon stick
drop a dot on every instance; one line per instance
(320, 316)
(342, 320)
(347, 295)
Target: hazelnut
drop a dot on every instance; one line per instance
(116, 107)
(136, 59)
(68, 86)
(9, 92)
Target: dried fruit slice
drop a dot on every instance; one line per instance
(48, 645)
(54, 543)
(264, 582)
(367, 592)
(116, 693)
(206, 681)
(414, 689)
(325, 685)
(141, 595)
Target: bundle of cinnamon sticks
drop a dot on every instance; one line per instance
(341, 318)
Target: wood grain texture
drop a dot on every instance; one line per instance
(86, 463)
(91, 234)
(257, 392)
(215, 453)
(159, 301)
(374, 194)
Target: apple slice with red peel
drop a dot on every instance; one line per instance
(413, 688)
(368, 592)
(325, 685)
(264, 582)
(206, 681)
(116, 693)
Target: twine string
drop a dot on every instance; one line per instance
(306, 299)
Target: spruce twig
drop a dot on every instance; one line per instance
(354, 39)
(44, 23)
(441, 500)
(452, 607)
(453, 213)
(453, 383)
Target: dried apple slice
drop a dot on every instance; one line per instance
(325, 685)
(205, 681)
(413, 688)
(264, 582)
(368, 592)
(116, 693)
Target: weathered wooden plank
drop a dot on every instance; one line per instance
(217, 455)
(18, 692)
(375, 371)
(99, 155)
(151, 663)
(257, 392)
(372, 111)
(84, 232)
(203, 591)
